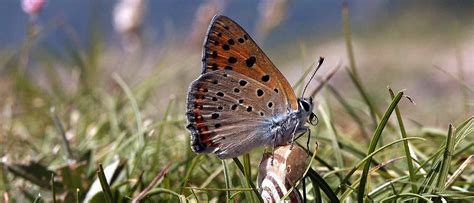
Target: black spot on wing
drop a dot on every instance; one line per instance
(250, 61)
(232, 59)
(214, 66)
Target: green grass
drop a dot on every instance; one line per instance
(56, 138)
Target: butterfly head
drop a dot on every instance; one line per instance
(305, 106)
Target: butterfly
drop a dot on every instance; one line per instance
(241, 100)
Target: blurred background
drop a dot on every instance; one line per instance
(418, 46)
(84, 62)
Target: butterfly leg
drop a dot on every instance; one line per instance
(303, 131)
(273, 150)
(309, 136)
(294, 134)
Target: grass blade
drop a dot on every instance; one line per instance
(373, 145)
(459, 171)
(105, 186)
(133, 101)
(397, 198)
(194, 162)
(446, 160)
(78, 194)
(161, 128)
(140, 135)
(334, 135)
(324, 81)
(379, 166)
(303, 76)
(426, 187)
(53, 190)
(406, 147)
(317, 192)
(156, 191)
(226, 179)
(321, 183)
(38, 199)
(248, 180)
(247, 171)
(463, 130)
(152, 184)
(60, 128)
(349, 110)
(135, 186)
(353, 70)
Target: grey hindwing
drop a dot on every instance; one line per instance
(237, 116)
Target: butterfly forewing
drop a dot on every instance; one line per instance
(230, 113)
(228, 47)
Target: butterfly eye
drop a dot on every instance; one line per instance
(305, 105)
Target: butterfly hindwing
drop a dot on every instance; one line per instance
(230, 113)
(228, 47)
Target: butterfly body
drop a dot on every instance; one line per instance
(241, 100)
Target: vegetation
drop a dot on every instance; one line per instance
(106, 130)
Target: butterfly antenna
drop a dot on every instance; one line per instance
(320, 62)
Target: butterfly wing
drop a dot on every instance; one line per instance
(241, 100)
(230, 113)
(229, 47)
